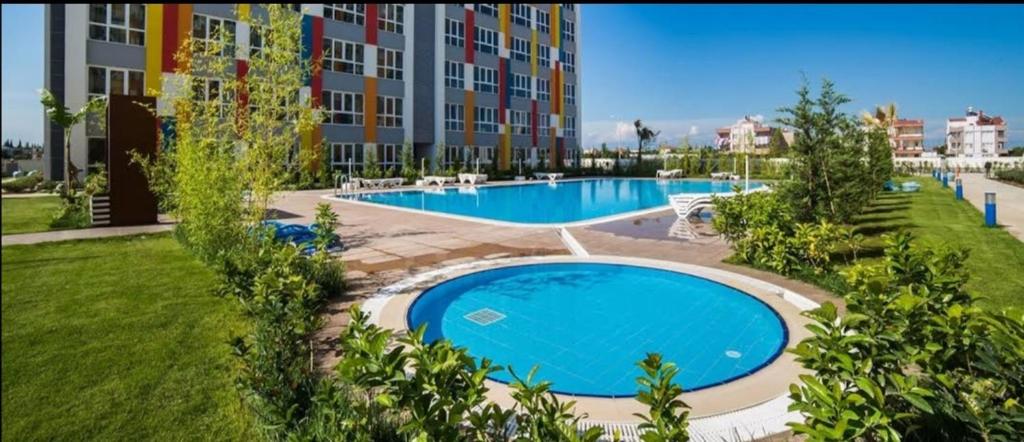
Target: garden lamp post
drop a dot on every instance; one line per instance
(990, 209)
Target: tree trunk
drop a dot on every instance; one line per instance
(639, 153)
(67, 164)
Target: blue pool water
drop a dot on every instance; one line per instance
(587, 325)
(543, 203)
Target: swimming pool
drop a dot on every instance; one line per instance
(587, 324)
(549, 203)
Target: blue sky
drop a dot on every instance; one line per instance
(686, 69)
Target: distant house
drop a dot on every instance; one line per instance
(907, 138)
(749, 135)
(976, 135)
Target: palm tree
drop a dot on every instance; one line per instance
(884, 117)
(644, 135)
(61, 116)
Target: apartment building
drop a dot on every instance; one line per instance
(749, 135)
(907, 138)
(976, 135)
(494, 82)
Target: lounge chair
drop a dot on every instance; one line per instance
(889, 186)
(910, 186)
(548, 175)
(472, 178)
(303, 237)
(672, 173)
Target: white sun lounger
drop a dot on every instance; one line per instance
(472, 178)
(672, 173)
(686, 204)
(437, 179)
(548, 175)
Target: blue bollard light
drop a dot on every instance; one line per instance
(990, 209)
(945, 180)
(959, 189)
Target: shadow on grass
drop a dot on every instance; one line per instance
(875, 230)
(16, 264)
(885, 208)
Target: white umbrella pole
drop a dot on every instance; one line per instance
(746, 167)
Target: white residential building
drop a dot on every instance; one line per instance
(749, 135)
(976, 135)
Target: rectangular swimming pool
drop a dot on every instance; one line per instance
(549, 203)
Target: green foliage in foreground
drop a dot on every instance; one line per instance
(26, 215)
(22, 184)
(914, 358)
(117, 338)
(423, 391)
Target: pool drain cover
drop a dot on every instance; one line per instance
(733, 354)
(485, 316)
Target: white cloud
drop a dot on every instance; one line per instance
(694, 130)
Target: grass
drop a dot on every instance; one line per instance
(937, 219)
(116, 339)
(25, 215)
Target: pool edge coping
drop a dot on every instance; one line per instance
(494, 222)
(758, 419)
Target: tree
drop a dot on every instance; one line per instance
(409, 171)
(827, 164)
(438, 164)
(883, 118)
(644, 135)
(777, 145)
(61, 116)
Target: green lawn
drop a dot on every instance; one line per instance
(24, 215)
(116, 339)
(936, 218)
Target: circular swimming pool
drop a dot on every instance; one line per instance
(586, 325)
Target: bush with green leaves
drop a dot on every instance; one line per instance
(406, 387)
(761, 229)
(1015, 175)
(22, 184)
(913, 358)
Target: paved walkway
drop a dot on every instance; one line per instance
(96, 232)
(1009, 201)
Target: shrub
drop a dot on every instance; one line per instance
(761, 229)
(1013, 175)
(22, 184)
(72, 214)
(913, 358)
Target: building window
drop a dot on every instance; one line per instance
(387, 156)
(521, 14)
(118, 22)
(342, 108)
(490, 9)
(453, 153)
(343, 56)
(544, 125)
(568, 61)
(570, 93)
(544, 55)
(569, 6)
(354, 13)
(570, 127)
(543, 89)
(389, 64)
(520, 122)
(485, 119)
(520, 49)
(208, 30)
(521, 86)
(454, 33)
(344, 153)
(486, 41)
(114, 81)
(454, 74)
(454, 117)
(389, 111)
(255, 40)
(568, 30)
(390, 17)
(543, 21)
(485, 79)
